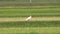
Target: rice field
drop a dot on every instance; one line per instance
(44, 21)
(30, 24)
(34, 12)
(45, 17)
(32, 30)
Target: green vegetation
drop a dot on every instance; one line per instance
(31, 24)
(22, 8)
(37, 30)
(26, 3)
(30, 27)
(27, 12)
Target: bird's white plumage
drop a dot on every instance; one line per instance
(27, 19)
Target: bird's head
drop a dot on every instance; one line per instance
(30, 16)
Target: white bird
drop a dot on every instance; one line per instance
(27, 19)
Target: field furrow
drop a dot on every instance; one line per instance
(33, 19)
